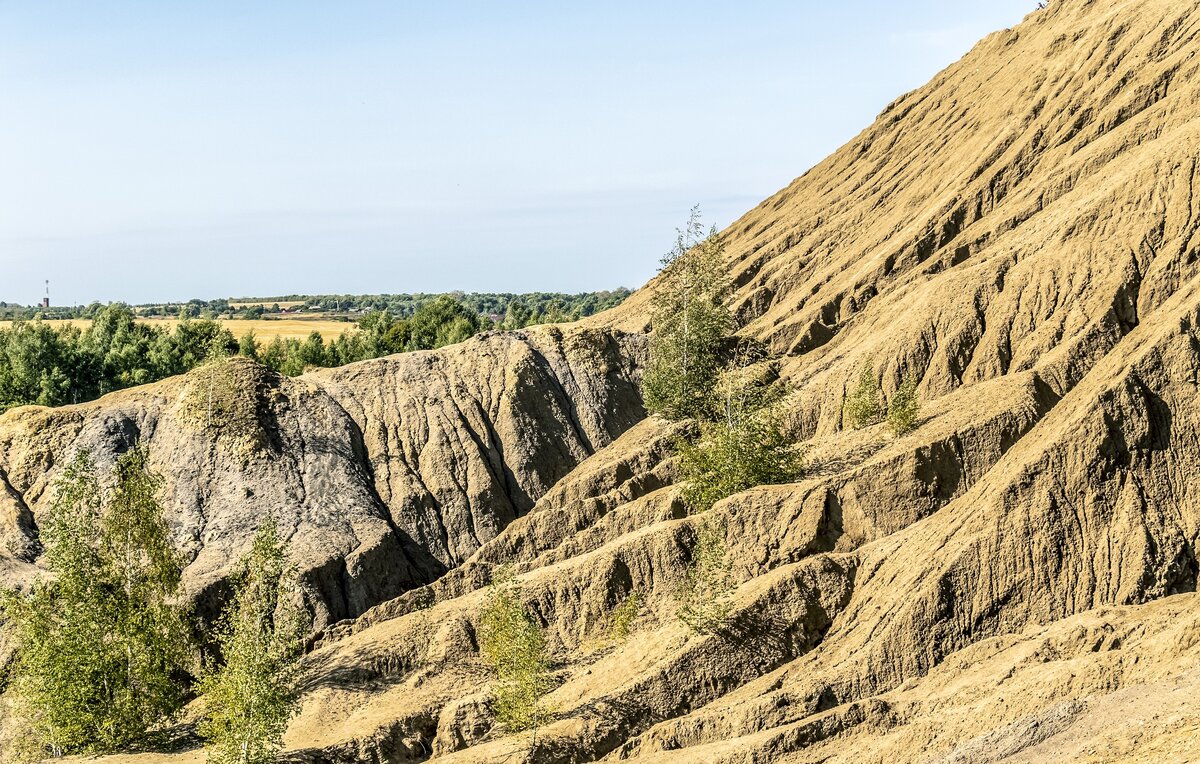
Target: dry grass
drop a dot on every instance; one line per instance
(265, 330)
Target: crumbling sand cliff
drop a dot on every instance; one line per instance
(1014, 581)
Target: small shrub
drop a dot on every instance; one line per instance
(620, 623)
(705, 597)
(862, 406)
(904, 409)
(515, 648)
(746, 446)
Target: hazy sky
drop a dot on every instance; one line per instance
(167, 150)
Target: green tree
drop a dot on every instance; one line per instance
(152, 631)
(862, 405)
(745, 444)
(444, 321)
(516, 316)
(275, 355)
(196, 341)
(397, 337)
(372, 328)
(101, 645)
(690, 321)
(904, 409)
(119, 347)
(42, 365)
(312, 352)
(57, 679)
(248, 345)
(251, 696)
(515, 648)
(705, 598)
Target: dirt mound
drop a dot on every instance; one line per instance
(384, 474)
(1014, 581)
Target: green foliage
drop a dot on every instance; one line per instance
(509, 311)
(436, 324)
(445, 321)
(252, 695)
(101, 644)
(53, 366)
(515, 648)
(38, 365)
(690, 321)
(904, 409)
(533, 307)
(248, 345)
(862, 405)
(745, 445)
(620, 623)
(705, 596)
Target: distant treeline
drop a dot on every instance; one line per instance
(52, 365)
(507, 311)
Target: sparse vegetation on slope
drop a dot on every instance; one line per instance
(229, 397)
(620, 621)
(704, 597)
(862, 404)
(515, 649)
(904, 409)
(1013, 579)
(745, 444)
(250, 696)
(741, 441)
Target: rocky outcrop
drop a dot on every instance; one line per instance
(384, 474)
(463, 441)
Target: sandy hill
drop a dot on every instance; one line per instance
(1013, 582)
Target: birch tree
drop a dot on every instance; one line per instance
(690, 322)
(252, 695)
(102, 644)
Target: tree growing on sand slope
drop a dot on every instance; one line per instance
(252, 695)
(904, 409)
(690, 320)
(862, 404)
(101, 645)
(515, 648)
(705, 597)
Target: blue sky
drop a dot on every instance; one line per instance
(160, 151)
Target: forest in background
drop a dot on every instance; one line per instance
(53, 365)
(507, 310)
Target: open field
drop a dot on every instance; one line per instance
(264, 330)
(239, 304)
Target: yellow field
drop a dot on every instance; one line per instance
(266, 304)
(264, 331)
